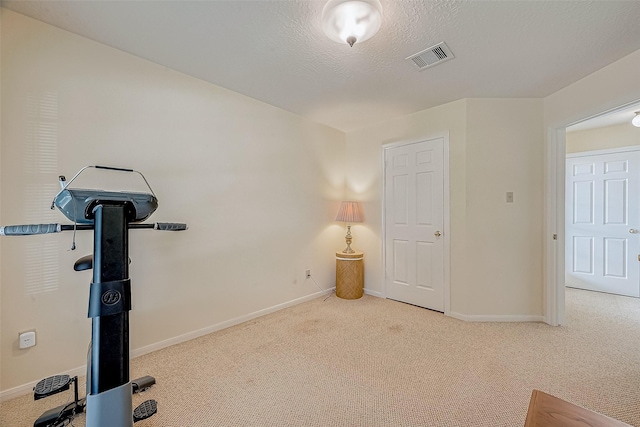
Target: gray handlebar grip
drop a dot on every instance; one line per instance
(29, 229)
(170, 226)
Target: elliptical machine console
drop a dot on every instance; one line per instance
(110, 215)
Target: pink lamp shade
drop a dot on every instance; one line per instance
(349, 212)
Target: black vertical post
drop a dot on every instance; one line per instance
(110, 333)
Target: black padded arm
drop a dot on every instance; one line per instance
(84, 263)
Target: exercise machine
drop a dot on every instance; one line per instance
(110, 214)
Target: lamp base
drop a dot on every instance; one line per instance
(348, 238)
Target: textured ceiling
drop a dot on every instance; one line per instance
(276, 52)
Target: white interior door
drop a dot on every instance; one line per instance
(414, 219)
(603, 222)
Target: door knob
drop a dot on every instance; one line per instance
(633, 231)
(437, 233)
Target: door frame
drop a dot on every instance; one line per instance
(445, 212)
(554, 214)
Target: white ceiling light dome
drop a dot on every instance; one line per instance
(636, 120)
(351, 21)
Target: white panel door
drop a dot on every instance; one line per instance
(414, 218)
(603, 222)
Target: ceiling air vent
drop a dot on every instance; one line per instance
(432, 56)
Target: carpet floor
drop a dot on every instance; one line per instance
(376, 362)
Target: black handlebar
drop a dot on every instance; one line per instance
(33, 229)
(114, 169)
(169, 226)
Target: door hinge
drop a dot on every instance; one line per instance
(555, 237)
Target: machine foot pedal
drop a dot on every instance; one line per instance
(50, 386)
(141, 384)
(61, 415)
(145, 410)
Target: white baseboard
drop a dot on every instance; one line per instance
(497, 317)
(82, 370)
(373, 293)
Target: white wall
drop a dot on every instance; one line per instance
(608, 137)
(496, 248)
(259, 188)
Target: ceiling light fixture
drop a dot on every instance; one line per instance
(351, 21)
(636, 120)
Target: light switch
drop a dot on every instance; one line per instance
(509, 196)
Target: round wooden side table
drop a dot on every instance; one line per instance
(349, 275)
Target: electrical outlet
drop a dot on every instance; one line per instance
(308, 273)
(509, 196)
(27, 339)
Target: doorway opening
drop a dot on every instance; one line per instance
(601, 206)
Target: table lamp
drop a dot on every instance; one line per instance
(349, 212)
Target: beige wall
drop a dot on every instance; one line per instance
(259, 188)
(603, 90)
(495, 146)
(504, 240)
(609, 137)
